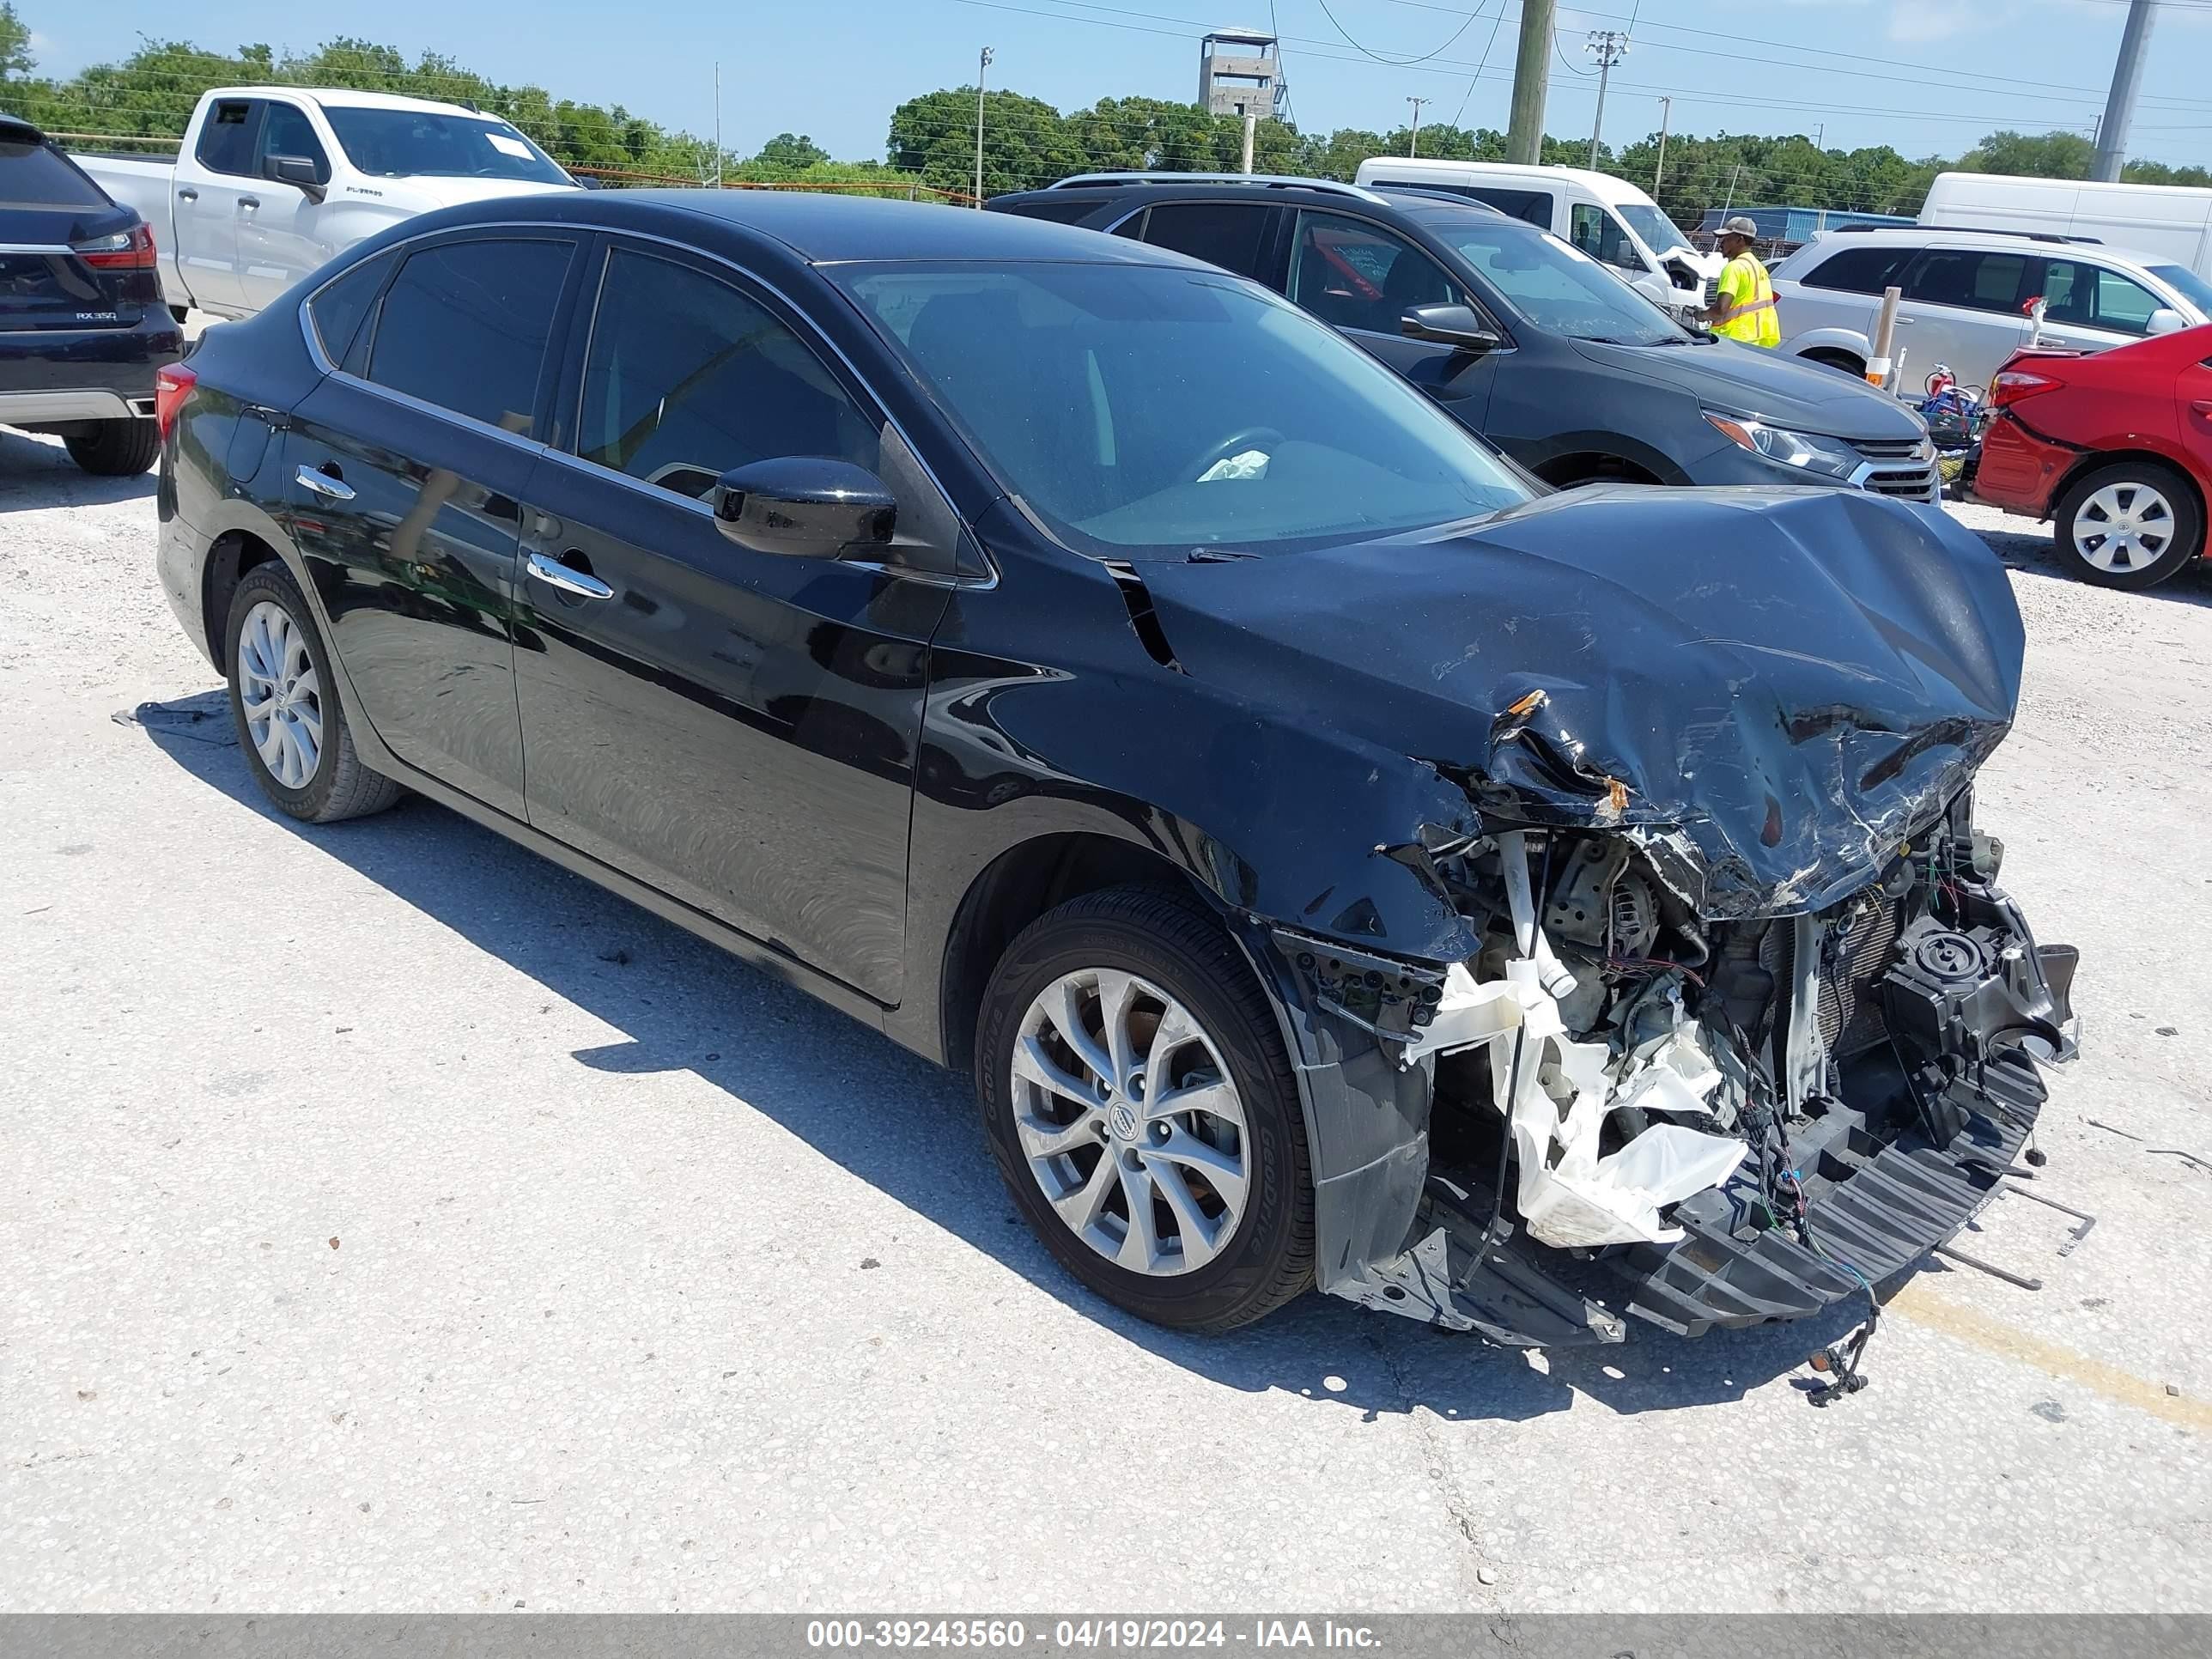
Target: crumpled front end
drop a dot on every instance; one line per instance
(1746, 1118)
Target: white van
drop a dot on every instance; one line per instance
(1607, 218)
(2174, 221)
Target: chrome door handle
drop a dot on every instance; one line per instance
(321, 483)
(563, 578)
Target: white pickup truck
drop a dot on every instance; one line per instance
(270, 182)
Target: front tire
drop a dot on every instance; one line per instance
(116, 449)
(2130, 524)
(1143, 1113)
(284, 702)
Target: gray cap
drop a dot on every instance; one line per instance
(1741, 226)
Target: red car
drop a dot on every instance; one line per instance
(2116, 448)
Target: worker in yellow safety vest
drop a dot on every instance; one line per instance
(1745, 308)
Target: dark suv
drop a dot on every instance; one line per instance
(82, 327)
(1523, 338)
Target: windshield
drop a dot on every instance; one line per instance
(2187, 283)
(400, 143)
(1148, 411)
(1557, 289)
(1660, 233)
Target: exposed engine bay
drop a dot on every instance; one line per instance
(1746, 1118)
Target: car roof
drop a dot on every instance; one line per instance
(1320, 194)
(825, 229)
(349, 98)
(2047, 243)
(1603, 185)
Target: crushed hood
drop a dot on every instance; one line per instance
(1777, 687)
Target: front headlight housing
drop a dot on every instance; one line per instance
(1829, 458)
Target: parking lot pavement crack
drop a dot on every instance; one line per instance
(1471, 1565)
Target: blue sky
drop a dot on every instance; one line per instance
(1926, 76)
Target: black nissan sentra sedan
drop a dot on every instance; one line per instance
(1338, 860)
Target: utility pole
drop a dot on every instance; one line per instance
(1413, 142)
(984, 65)
(1251, 126)
(1611, 45)
(2120, 102)
(718, 124)
(1659, 172)
(1524, 139)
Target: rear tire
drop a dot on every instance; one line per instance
(2130, 524)
(116, 449)
(284, 702)
(1224, 1179)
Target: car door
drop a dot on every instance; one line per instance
(2093, 307)
(1962, 307)
(1599, 233)
(210, 201)
(1363, 277)
(737, 728)
(408, 470)
(281, 235)
(1840, 288)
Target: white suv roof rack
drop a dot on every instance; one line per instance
(1270, 181)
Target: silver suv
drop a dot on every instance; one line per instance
(1967, 296)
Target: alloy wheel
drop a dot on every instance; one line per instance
(1129, 1121)
(281, 694)
(2123, 527)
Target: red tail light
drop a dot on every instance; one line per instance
(172, 384)
(127, 250)
(2013, 384)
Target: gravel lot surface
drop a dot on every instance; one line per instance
(393, 1221)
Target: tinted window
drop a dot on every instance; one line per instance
(1357, 275)
(37, 175)
(395, 143)
(1557, 289)
(1976, 281)
(1061, 210)
(2089, 296)
(338, 307)
(687, 378)
(226, 137)
(1149, 411)
(464, 327)
(1858, 270)
(1225, 234)
(1601, 236)
(1534, 206)
(286, 132)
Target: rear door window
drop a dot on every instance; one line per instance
(1231, 234)
(338, 306)
(1354, 274)
(1970, 279)
(464, 327)
(1061, 210)
(1858, 270)
(226, 137)
(38, 176)
(287, 131)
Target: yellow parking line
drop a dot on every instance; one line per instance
(1924, 1307)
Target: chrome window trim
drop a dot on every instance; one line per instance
(490, 231)
(36, 247)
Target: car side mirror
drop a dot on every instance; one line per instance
(296, 170)
(805, 506)
(1451, 326)
(2166, 320)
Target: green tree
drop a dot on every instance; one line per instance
(16, 62)
(792, 151)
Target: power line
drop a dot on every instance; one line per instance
(1397, 63)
